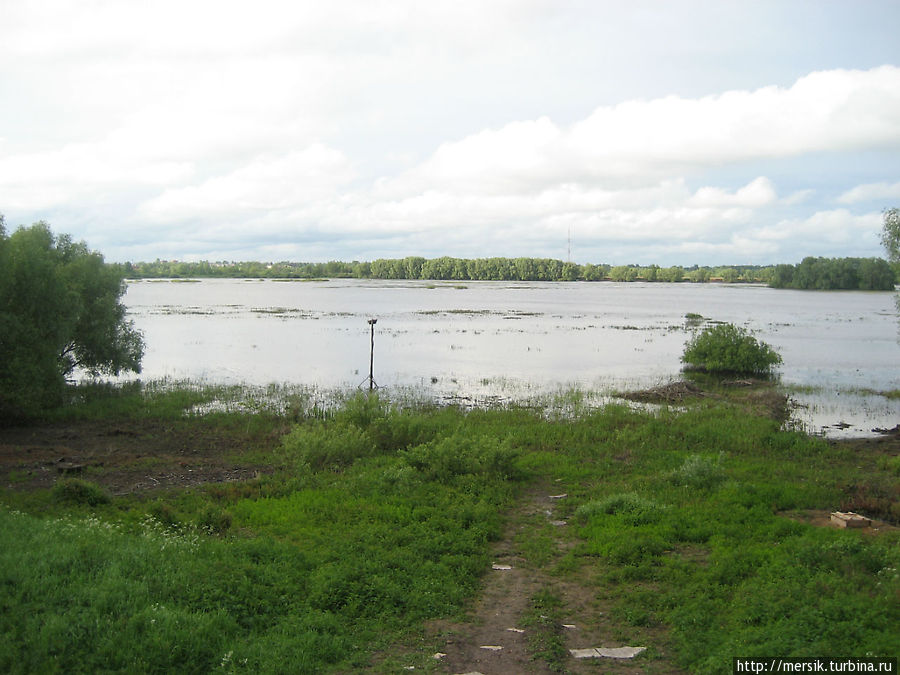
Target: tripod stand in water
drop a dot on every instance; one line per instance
(371, 378)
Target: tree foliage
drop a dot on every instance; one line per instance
(60, 310)
(446, 268)
(823, 274)
(726, 348)
(890, 234)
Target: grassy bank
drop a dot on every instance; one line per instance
(367, 520)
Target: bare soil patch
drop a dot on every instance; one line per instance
(674, 392)
(125, 457)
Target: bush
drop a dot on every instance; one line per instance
(77, 491)
(326, 447)
(698, 472)
(725, 348)
(635, 509)
(214, 520)
(459, 454)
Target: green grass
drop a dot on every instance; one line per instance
(379, 517)
(543, 624)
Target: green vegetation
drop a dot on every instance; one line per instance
(374, 517)
(543, 623)
(890, 234)
(60, 310)
(77, 491)
(726, 348)
(837, 273)
(824, 274)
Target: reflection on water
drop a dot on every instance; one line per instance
(479, 340)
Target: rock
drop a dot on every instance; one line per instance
(607, 652)
(849, 519)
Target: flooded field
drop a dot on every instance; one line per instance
(515, 340)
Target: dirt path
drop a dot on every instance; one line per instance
(495, 640)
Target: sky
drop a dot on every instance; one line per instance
(670, 132)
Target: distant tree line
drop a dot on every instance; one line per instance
(812, 273)
(866, 274)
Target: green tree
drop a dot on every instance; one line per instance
(60, 310)
(782, 276)
(875, 274)
(650, 273)
(623, 273)
(674, 274)
(890, 234)
(698, 275)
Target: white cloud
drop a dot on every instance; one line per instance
(760, 192)
(871, 192)
(443, 127)
(838, 230)
(822, 112)
(266, 184)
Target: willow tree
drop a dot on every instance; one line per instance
(60, 311)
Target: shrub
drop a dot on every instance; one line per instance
(635, 509)
(77, 491)
(459, 454)
(726, 348)
(362, 410)
(214, 520)
(698, 472)
(322, 447)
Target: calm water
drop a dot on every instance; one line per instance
(513, 339)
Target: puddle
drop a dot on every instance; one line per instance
(843, 414)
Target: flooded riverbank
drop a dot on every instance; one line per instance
(514, 340)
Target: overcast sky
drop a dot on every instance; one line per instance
(669, 132)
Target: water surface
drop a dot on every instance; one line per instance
(514, 339)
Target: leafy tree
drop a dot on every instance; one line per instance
(651, 273)
(890, 234)
(673, 274)
(623, 273)
(60, 310)
(726, 348)
(570, 271)
(875, 274)
(698, 275)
